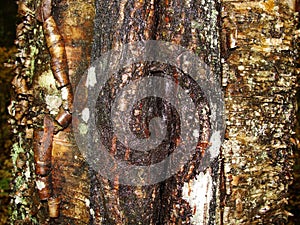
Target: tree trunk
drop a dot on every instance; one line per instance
(59, 175)
(260, 86)
(253, 58)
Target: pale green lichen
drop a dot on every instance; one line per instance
(92, 79)
(29, 42)
(83, 129)
(33, 52)
(46, 81)
(16, 150)
(51, 94)
(85, 114)
(21, 181)
(53, 103)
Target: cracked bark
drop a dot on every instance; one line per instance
(248, 184)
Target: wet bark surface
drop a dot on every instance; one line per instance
(119, 23)
(259, 84)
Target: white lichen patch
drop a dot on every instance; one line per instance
(40, 184)
(53, 103)
(85, 114)
(196, 133)
(92, 213)
(91, 77)
(137, 112)
(87, 202)
(47, 81)
(216, 140)
(123, 105)
(27, 172)
(124, 78)
(198, 193)
(241, 67)
(64, 93)
(18, 200)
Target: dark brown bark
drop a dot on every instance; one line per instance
(174, 21)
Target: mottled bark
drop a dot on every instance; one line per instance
(259, 79)
(61, 177)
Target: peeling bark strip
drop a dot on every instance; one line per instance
(260, 86)
(194, 25)
(43, 147)
(69, 43)
(43, 144)
(42, 93)
(59, 66)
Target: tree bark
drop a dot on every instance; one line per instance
(259, 78)
(43, 44)
(250, 47)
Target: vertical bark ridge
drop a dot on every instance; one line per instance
(182, 23)
(116, 24)
(194, 25)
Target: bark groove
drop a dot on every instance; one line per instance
(194, 25)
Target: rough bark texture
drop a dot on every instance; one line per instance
(258, 60)
(37, 94)
(260, 84)
(194, 25)
(24, 198)
(118, 23)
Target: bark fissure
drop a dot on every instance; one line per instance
(179, 22)
(247, 184)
